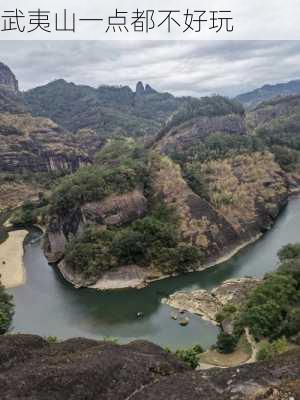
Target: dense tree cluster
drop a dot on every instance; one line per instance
(6, 310)
(189, 356)
(272, 310)
(150, 241)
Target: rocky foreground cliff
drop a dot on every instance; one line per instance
(31, 368)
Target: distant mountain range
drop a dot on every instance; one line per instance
(107, 110)
(268, 92)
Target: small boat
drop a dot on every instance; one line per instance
(174, 316)
(184, 321)
(139, 314)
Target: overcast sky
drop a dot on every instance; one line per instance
(183, 68)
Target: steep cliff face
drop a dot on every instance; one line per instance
(243, 196)
(115, 210)
(200, 223)
(248, 190)
(14, 194)
(194, 131)
(29, 144)
(276, 110)
(7, 78)
(11, 100)
(31, 368)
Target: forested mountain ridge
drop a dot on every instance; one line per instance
(33, 148)
(108, 110)
(205, 187)
(268, 92)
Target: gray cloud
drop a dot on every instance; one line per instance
(194, 68)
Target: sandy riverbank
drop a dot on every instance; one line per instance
(11, 260)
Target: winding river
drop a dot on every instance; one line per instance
(47, 305)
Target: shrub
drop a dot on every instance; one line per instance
(182, 258)
(291, 267)
(266, 308)
(226, 313)
(268, 350)
(265, 352)
(190, 356)
(226, 343)
(52, 339)
(152, 240)
(289, 251)
(6, 310)
(119, 150)
(90, 253)
(286, 158)
(26, 215)
(129, 246)
(292, 322)
(94, 183)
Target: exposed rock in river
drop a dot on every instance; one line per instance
(208, 304)
(31, 368)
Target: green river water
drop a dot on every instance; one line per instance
(47, 305)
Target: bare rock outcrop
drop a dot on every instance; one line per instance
(31, 368)
(7, 78)
(114, 210)
(255, 189)
(39, 145)
(208, 303)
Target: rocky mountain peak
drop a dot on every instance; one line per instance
(7, 78)
(140, 89)
(149, 90)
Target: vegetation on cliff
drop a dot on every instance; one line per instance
(189, 356)
(189, 210)
(6, 310)
(205, 106)
(272, 310)
(276, 123)
(119, 169)
(152, 241)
